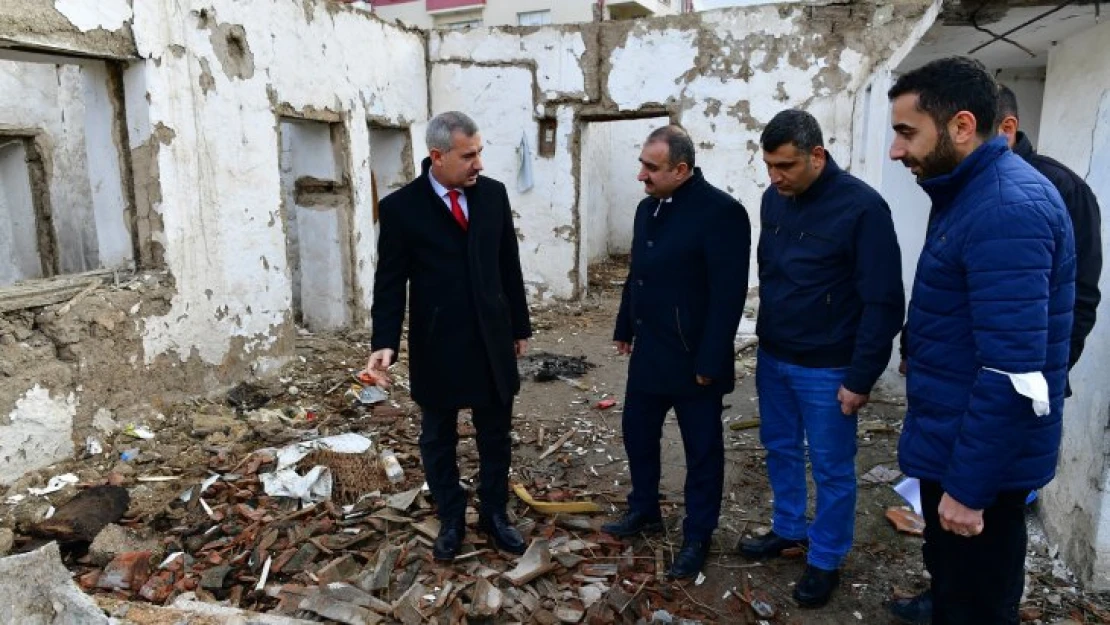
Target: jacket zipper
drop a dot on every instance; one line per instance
(678, 323)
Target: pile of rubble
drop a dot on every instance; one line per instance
(327, 534)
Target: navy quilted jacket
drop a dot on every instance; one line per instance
(995, 288)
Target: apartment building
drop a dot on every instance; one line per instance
(473, 13)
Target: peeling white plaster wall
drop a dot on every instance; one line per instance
(219, 167)
(89, 15)
(1075, 129)
(36, 433)
(648, 69)
(556, 53)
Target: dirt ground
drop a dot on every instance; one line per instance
(203, 437)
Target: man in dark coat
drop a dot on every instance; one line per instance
(988, 338)
(831, 303)
(681, 306)
(1085, 217)
(448, 239)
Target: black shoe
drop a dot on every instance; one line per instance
(770, 545)
(815, 587)
(913, 610)
(633, 523)
(449, 540)
(505, 537)
(690, 559)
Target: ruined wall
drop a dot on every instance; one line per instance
(204, 88)
(722, 74)
(99, 29)
(203, 114)
(1075, 129)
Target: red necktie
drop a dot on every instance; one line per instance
(456, 208)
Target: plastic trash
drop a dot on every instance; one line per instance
(393, 470)
(93, 446)
(138, 432)
(128, 455)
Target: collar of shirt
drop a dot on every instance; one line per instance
(442, 191)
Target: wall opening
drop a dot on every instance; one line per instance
(610, 152)
(63, 196)
(23, 218)
(316, 207)
(391, 160)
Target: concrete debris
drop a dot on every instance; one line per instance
(487, 600)
(880, 474)
(36, 589)
(114, 540)
(535, 562)
(7, 539)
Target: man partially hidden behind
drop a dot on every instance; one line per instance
(680, 309)
(988, 338)
(831, 303)
(448, 239)
(1086, 220)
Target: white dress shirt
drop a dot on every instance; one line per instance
(443, 191)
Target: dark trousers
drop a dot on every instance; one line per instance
(699, 419)
(439, 440)
(976, 580)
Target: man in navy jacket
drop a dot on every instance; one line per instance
(988, 338)
(831, 303)
(680, 309)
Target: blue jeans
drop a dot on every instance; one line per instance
(799, 404)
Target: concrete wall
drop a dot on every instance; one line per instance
(722, 74)
(1075, 129)
(68, 112)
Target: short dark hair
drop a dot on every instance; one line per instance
(947, 86)
(792, 126)
(680, 147)
(1007, 103)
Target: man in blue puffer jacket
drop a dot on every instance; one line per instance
(987, 336)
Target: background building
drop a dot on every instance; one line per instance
(473, 13)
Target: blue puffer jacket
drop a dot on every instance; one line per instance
(994, 289)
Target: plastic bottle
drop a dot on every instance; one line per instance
(393, 470)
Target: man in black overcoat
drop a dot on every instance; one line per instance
(679, 313)
(447, 241)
